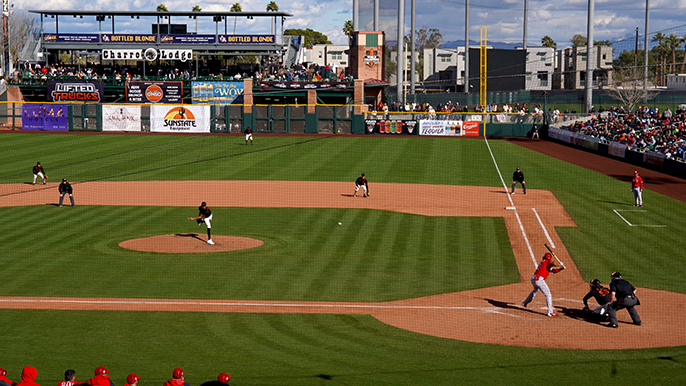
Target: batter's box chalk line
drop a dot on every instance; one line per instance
(636, 225)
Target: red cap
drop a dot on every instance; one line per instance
(178, 373)
(224, 377)
(3, 372)
(635, 171)
(132, 378)
(101, 370)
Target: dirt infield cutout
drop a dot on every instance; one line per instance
(491, 315)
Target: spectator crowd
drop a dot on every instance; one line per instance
(646, 129)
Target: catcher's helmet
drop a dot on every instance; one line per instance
(224, 378)
(596, 283)
(101, 370)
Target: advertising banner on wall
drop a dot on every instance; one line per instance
(431, 127)
(304, 85)
(121, 118)
(216, 93)
(44, 117)
(75, 91)
(154, 92)
(385, 126)
(179, 119)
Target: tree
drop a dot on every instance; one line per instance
(235, 8)
(578, 40)
(673, 42)
(196, 9)
(23, 28)
(602, 43)
(683, 62)
(426, 38)
(311, 37)
(348, 28)
(659, 38)
(547, 41)
(627, 87)
(273, 7)
(162, 8)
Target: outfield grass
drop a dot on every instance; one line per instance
(379, 256)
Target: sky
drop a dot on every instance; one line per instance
(503, 19)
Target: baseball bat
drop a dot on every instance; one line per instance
(552, 253)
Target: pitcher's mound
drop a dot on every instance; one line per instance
(190, 243)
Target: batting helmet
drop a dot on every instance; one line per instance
(224, 378)
(132, 378)
(178, 373)
(547, 256)
(3, 372)
(101, 370)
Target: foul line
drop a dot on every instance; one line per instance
(547, 236)
(519, 220)
(635, 225)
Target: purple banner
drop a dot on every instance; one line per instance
(70, 38)
(128, 38)
(188, 39)
(44, 117)
(304, 85)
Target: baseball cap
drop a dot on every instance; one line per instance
(132, 378)
(101, 370)
(223, 377)
(616, 274)
(3, 372)
(635, 171)
(178, 373)
(517, 167)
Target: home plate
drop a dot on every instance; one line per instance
(510, 208)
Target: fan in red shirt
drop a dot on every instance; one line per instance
(177, 378)
(101, 378)
(28, 377)
(538, 282)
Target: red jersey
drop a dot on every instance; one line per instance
(69, 383)
(100, 380)
(3, 378)
(544, 269)
(637, 182)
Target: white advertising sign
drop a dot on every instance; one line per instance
(121, 118)
(122, 54)
(180, 119)
(429, 127)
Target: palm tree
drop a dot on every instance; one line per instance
(196, 9)
(547, 41)
(235, 8)
(348, 27)
(683, 62)
(162, 8)
(659, 38)
(273, 7)
(674, 42)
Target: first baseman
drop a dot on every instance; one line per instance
(538, 282)
(518, 176)
(39, 171)
(361, 182)
(204, 217)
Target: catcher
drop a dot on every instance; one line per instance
(361, 182)
(602, 296)
(204, 217)
(38, 171)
